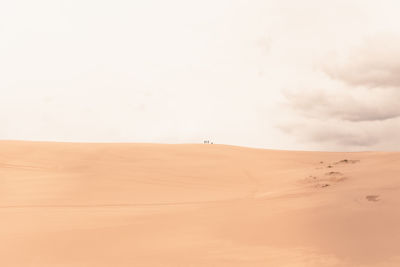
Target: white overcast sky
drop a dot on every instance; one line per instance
(312, 75)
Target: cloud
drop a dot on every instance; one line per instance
(344, 104)
(334, 134)
(357, 104)
(375, 63)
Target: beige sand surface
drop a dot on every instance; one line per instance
(196, 205)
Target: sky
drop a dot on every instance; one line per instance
(301, 75)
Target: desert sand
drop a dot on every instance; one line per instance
(71, 204)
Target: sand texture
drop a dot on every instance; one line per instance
(196, 205)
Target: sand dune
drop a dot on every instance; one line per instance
(196, 205)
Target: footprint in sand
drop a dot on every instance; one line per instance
(373, 198)
(346, 161)
(322, 185)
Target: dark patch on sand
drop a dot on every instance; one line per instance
(347, 161)
(373, 198)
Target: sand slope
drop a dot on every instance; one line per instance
(196, 205)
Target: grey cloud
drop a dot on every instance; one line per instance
(364, 106)
(343, 136)
(335, 134)
(374, 64)
(357, 105)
